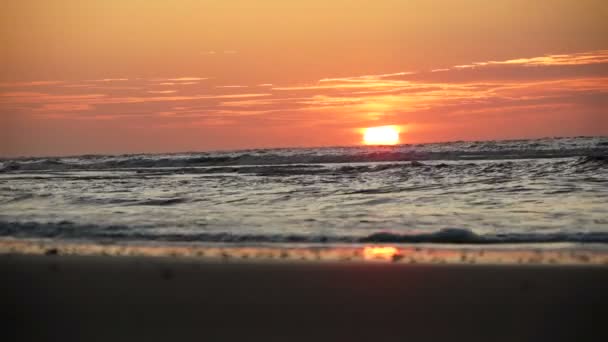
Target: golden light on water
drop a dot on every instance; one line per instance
(381, 135)
(382, 253)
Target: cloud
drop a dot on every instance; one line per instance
(64, 107)
(186, 79)
(582, 58)
(111, 80)
(162, 91)
(29, 84)
(348, 84)
(568, 83)
(33, 97)
(213, 52)
(366, 78)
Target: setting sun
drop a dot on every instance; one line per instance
(382, 135)
(380, 253)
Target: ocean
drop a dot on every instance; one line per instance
(543, 191)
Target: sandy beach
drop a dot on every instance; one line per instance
(109, 298)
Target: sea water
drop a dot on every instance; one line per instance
(552, 190)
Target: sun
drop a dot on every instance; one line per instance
(387, 253)
(381, 135)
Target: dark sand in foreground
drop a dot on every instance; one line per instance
(96, 298)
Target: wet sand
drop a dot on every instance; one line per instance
(97, 298)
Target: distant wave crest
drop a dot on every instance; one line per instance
(592, 150)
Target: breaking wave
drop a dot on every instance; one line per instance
(594, 150)
(69, 230)
(582, 163)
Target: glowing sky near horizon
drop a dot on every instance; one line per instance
(128, 76)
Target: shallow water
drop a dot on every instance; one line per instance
(546, 190)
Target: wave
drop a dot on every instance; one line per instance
(277, 165)
(593, 160)
(592, 150)
(465, 236)
(582, 163)
(162, 201)
(122, 233)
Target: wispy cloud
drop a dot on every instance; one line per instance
(187, 79)
(162, 91)
(110, 80)
(64, 107)
(347, 84)
(365, 78)
(213, 52)
(29, 84)
(33, 97)
(583, 58)
(434, 97)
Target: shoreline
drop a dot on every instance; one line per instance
(101, 298)
(454, 254)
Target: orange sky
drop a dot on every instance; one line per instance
(122, 76)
